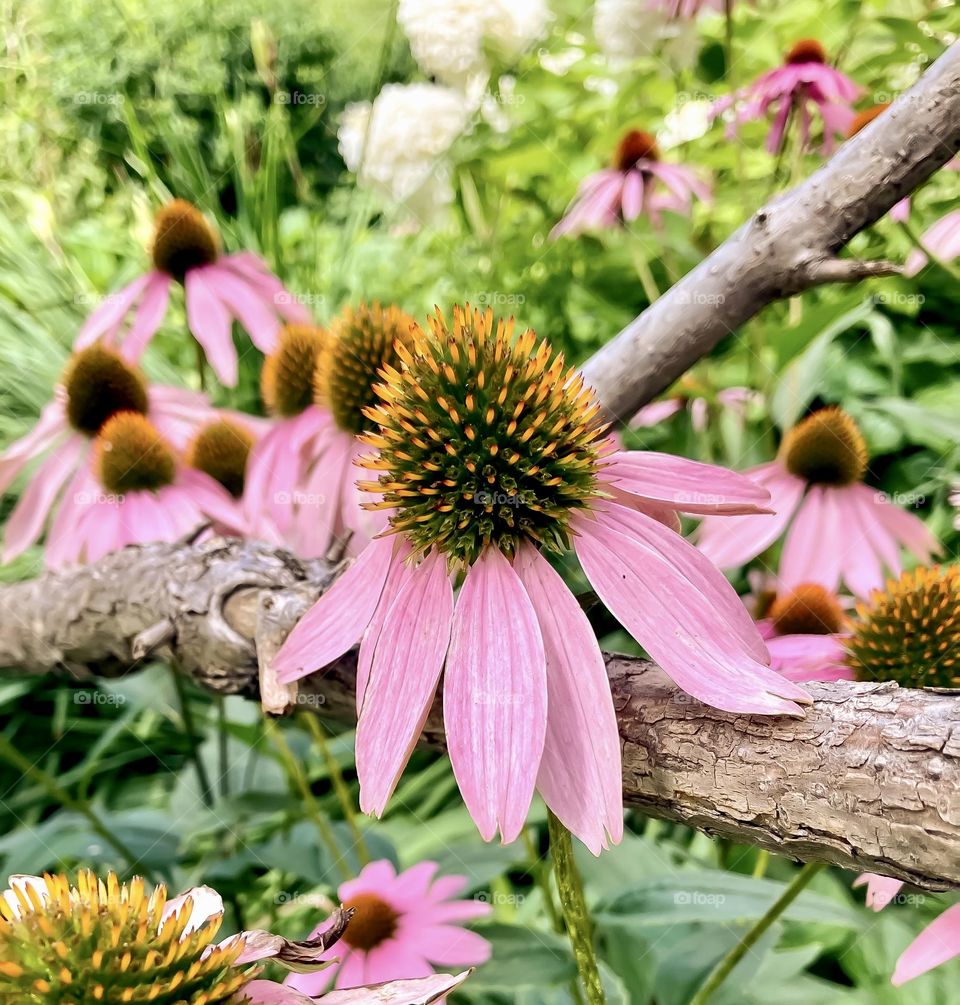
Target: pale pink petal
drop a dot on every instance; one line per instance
(271, 993)
(901, 212)
(210, 324)
(247, 305)
(338, 619)
(396, 959)
(685, 485)
(860, 565)
(352, 972)
(403, 680)
(107, 318)
(656, 412)
(936, 944)
(677, 624)
(424, 991)
(731, 541)
(205, 904)
(50, 427)
(178, 413)
(809, 657)
(580, 774)
(376, 877)
(211, 499)
(318, 517)
(62, 539)
(880, 889)
(882, 541)
(452, 946)
(256, 272)
(632, 196)
(412, 885)
(909, 530)
(150, 314)
(28, 518)
(495, 696)
(813, 548)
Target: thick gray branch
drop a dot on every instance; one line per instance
(869, 780)
(789, 245)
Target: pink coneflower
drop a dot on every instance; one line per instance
(136, 491)
(804, 84)
(805, 631)
(103, 940)
(941, 240)
(938, 943)
(96, 384)
(638, 183)
(218, 288)
(734, 400)
(491, 453)
(404, 924)
(844, 531)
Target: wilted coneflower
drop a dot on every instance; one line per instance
(804, 84)
(94, 940)
(97, 383)
(638, 183)
(490, 452)
(844, 530)
(136, 491)
(217, 287)
(402, 925)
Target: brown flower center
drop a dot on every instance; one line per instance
(808, 610)
(807, 50)
(100, 384)
(373, 922)
(635, 146)
(286, 381)
(826, 448)
(182, 239)
(132, 456)
(221, 450)
(865, 117)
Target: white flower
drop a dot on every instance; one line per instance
(628, 29)
(685, 123)
(399, 147)
(448, 37)
(955, 500)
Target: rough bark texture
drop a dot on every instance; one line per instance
(789, 245)
(870, 779)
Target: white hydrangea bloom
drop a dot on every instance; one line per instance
(408, 133)
(685, 123)
(447, 37)
(628, 29)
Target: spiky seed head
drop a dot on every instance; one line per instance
(286, 380)
(482, 439)
(826, 448)
(221, 450)
(98, 384)
(182, 239)
(363, 341)
(101, 941)
(810, 609)
(635, 146)
(864, 118)
(132, 456)
(910, 632)
(806, 50)
(373, 922)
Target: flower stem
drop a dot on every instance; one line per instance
(339, 786)
(15, 759)
(201, 365)
(223, 767)
(189, 728)
(722, 970)
(575, 911)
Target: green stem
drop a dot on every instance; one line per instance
(201, 365)
(222, 747)
(575, 911)
(732, 88)
(311, 806)
(189, 728)
(647, 281)
(722, 970)
(760, 866)
(339, 786)
(541, 879)
(15, 759)
(948, 267)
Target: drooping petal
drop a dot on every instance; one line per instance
(424, 991)
(685, 485)
(814, 545)
(398, 958)
(809, 657)
(936, 944)
(880, 889)
(50, 427)
(148, 318)
(403, 680)
(912, 533)
(495, 696)
(860, 565)
(676, 624)
(107, 318)
(301, 957)
(247, 305)
(580, 774)
(178, 413)
(210, 324)
(337, 620)
(270, 993)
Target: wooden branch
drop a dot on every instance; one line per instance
(870, 780)
(788, 246)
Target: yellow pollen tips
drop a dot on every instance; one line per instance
(286, 381)
(484, 438)
(132, 456)
(635, 146)
(808, 610)
(182, 239)
(101, 941)
(806, 50)
(910, 632)
(826, 448)
(865, 117)
(98, 384)
(221, 450)
(365, 342)
(374, 921)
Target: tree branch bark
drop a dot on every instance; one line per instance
(788, 246)
(870, 780)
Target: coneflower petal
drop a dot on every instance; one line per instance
(210, 323)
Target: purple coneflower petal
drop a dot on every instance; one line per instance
(210, 323)
(814, 545)
(150, 314)
(936, 944)
(632, 195)
(495, 697)
(107, 318)
(270, 993)
(452, 946)
(880, 889)
(50, 427)
(246, 304)
(803, 658)
(423, 991)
